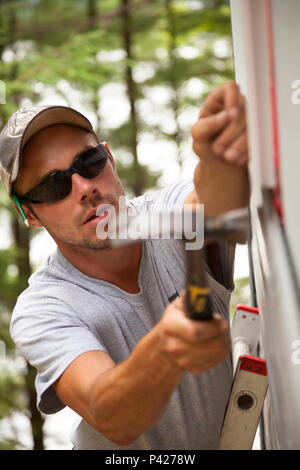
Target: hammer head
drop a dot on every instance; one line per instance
(232, 226)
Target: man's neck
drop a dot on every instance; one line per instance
(118, 266)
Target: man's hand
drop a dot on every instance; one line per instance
(220, 140)
(195, 346)
(220, 132)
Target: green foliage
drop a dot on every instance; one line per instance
(11, 386)
(10, 281)
(241, 294)
(130, 176)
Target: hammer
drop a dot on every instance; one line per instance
(232, 226)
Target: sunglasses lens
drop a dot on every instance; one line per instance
(63, 185)
(59, 185)
(91, 163)
(44, 192)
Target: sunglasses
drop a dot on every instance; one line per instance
(58, 185)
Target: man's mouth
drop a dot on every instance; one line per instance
(97, 214)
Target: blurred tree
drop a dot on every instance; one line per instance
(20, 255)
(195, 56)
(241, 294)
(17, 386)
(138, 180)
(172, 19)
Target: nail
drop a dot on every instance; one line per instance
(233, 112)
(232, 154)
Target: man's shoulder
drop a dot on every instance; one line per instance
(51, 301)
(47, 274)
(48, 285)
(57, 287)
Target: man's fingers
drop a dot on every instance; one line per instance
(225, 97)
(192, 330)
(206, 128)
(221, 122)
(229, 135)
(197, 356)
(239, 147)
(231, 97)
(194, 346)
(243, 159)
(214, 103)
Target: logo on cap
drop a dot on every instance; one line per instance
(19, 121)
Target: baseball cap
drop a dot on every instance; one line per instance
(21, 126)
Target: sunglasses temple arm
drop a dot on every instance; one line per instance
(108, 150)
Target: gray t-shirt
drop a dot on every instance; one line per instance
(64, 313)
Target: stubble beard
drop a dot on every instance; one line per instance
(85, 243)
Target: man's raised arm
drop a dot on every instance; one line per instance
(220, 141)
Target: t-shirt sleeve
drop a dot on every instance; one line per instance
(225, 260)
(172, 196)
(50, 337)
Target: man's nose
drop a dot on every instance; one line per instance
(83, 188)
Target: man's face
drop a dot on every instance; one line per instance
(52, 149)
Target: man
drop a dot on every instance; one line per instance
(99, 324)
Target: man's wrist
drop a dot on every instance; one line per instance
(165, 360)
(221, 186)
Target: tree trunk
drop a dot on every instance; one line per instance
(91, 6)
(36, 419)
(138, 183)
(177, 135)
(21, 239)
(92, 11)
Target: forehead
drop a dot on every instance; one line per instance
(51, 149)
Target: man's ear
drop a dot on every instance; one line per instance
(32, 218)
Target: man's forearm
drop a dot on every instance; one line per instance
(221, 186)
(130, 398)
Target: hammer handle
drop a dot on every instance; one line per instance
(197, 301)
